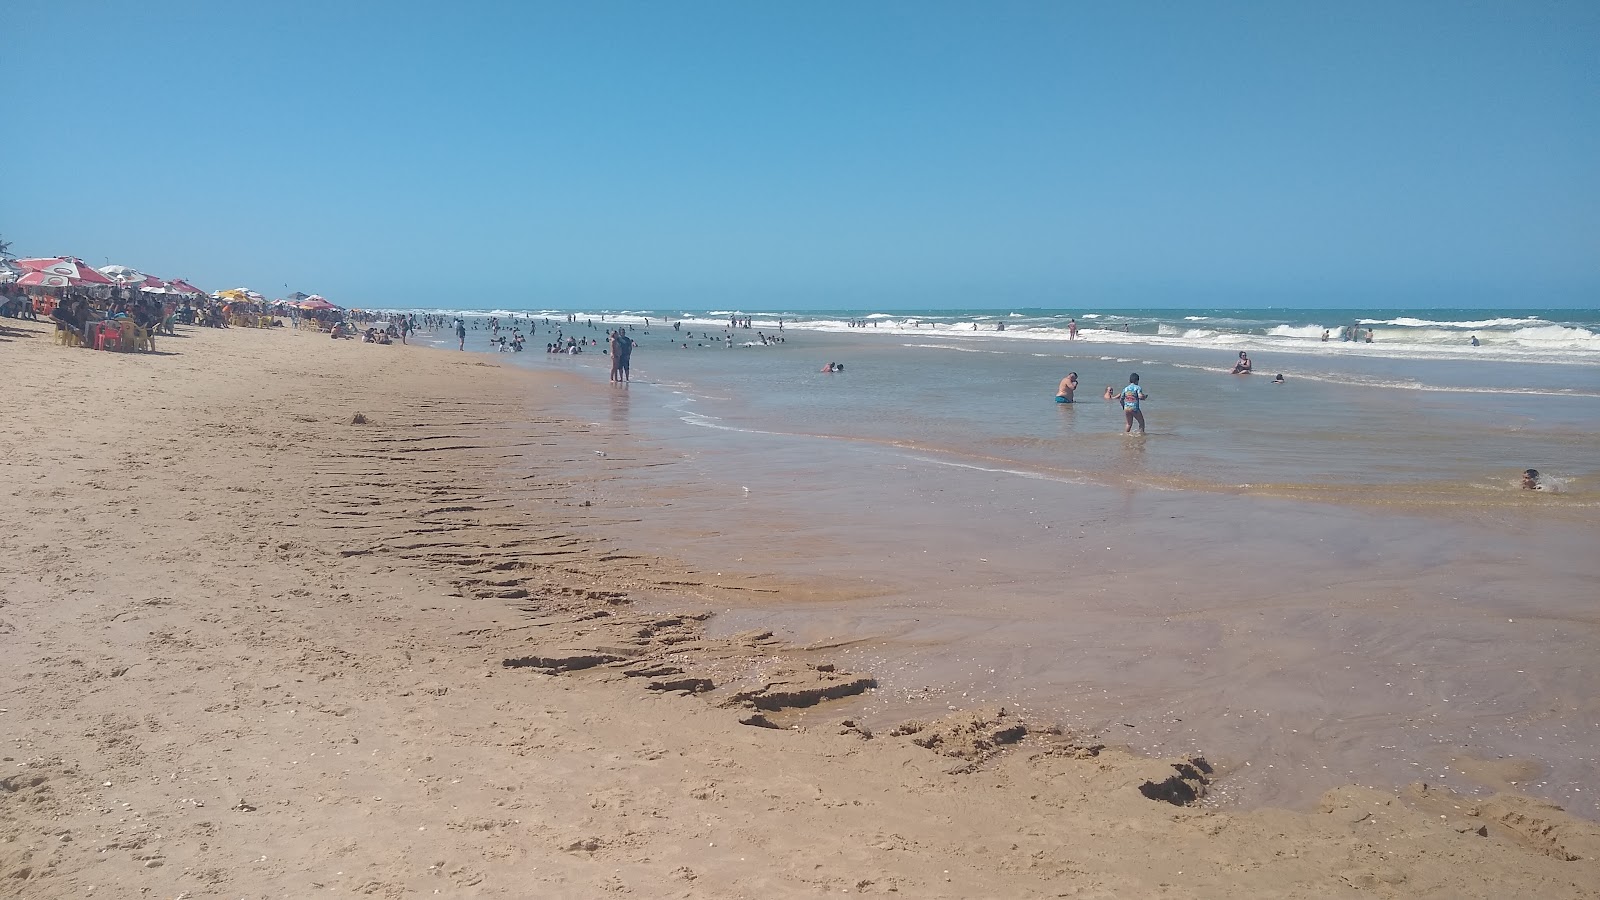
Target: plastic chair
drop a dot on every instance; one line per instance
(104, 335)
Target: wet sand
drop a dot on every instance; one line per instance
(253, 649)
(1301, 645)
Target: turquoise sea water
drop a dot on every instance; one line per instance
(1547, 335)
(1418, 416)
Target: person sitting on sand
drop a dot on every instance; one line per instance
(1066, 388)
(1242, 367)
(1530, 480)
(66, 318)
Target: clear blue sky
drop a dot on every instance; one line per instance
(816, 155)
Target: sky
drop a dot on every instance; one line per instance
(818, 155)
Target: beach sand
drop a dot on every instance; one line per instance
(249, 649)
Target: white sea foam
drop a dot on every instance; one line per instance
(951, 347)
(1312, 332)
(1408, 322)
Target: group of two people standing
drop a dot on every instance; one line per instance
(1129, 398)
(620, 347)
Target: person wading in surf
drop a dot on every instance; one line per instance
(1131, 395)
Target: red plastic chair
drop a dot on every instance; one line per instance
(107, 336)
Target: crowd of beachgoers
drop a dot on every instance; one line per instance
(124, 318)
(122, 308)
(617, 337)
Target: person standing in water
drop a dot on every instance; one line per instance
(1131, 395)
(1068, 385)
(461, 333)
(625, 349)
(614, 347)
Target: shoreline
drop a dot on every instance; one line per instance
(283, 640)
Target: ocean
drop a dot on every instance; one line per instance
(1336, 579)
(1418, 416)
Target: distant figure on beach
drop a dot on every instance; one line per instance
(1131, 395)
(624, 351)
(1324, 335)
(1072, 329)
(1242, 367)
(1369, 335)
(1530, 480)
(1474, 340)
(1277, 379)
(1068, 385)
(461, 334)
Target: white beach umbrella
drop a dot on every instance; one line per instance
(123, 274)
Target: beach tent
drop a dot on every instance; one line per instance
(59, 271)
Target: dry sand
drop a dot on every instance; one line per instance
(251, 649)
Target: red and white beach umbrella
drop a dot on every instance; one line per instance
(179, 286)
(60, 271)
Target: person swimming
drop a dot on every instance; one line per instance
(1111, 393)
(1277, 379)
(1530, 480)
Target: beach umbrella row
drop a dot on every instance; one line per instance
(59, 271)
(70, 271)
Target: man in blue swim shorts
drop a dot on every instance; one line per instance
(1068, 385)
